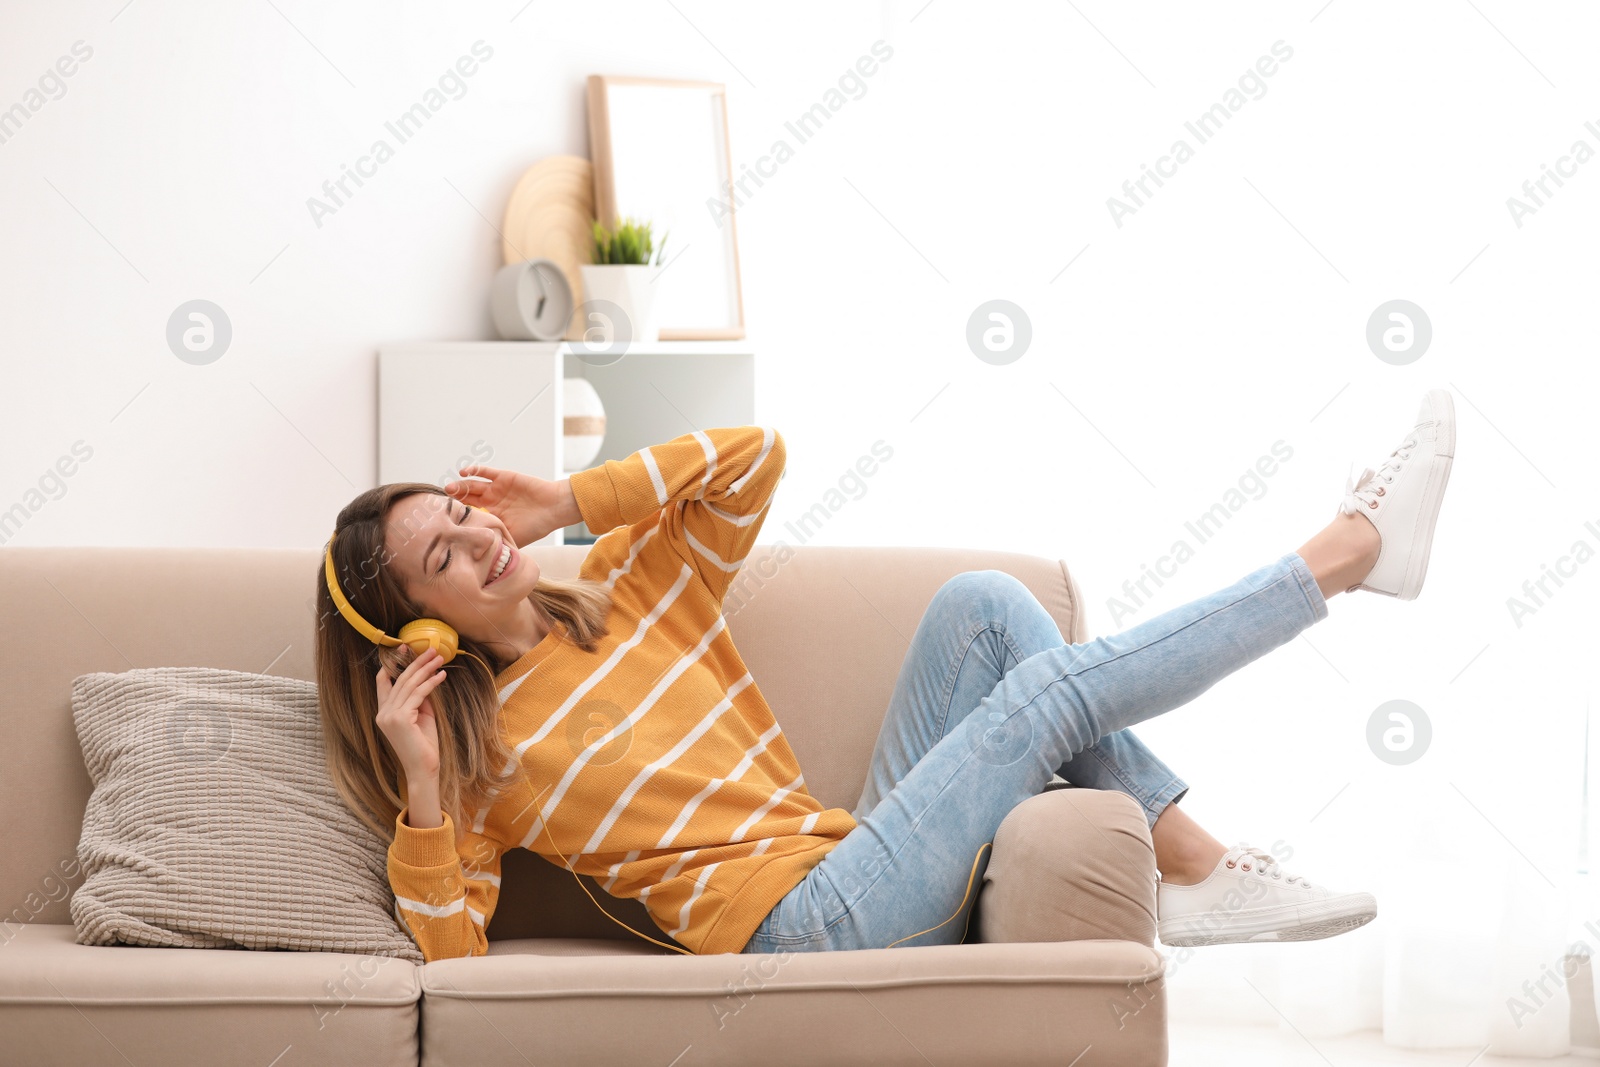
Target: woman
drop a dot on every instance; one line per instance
(609, 724)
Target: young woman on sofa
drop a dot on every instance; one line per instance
(609, 723)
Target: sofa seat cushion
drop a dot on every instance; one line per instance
(602, 1002)
(575, 946)
(62, 1002)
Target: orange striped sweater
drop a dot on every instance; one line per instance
(655, 763)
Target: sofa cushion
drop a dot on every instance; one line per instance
(213, 822)
(66, 1003)
(1087, 1003)
(1070, 864)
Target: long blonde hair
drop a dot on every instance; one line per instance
(473, 755)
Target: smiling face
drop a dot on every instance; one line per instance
(449, 558)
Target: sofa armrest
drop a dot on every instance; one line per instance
(1070, 864)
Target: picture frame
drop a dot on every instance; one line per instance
(660, 152)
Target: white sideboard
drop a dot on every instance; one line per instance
(443, 404)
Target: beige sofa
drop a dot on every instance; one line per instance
(1059, 956)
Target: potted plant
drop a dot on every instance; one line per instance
(626, 261)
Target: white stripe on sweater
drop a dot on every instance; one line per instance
(737, 520)
(437, 911)
(716, 560)
(633, 554)
(672, 872)
(655, 476)
(610, 583)
(610, 664)
(711, 461)
(682, 664)
(433, 911)
(632, 855)
(665, 760)
(699, 887)
(600, 672)
(766, 446)
(772, 802)
(714, 784)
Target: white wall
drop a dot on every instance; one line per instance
(1226, 314)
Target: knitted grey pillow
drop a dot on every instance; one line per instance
(213, 822)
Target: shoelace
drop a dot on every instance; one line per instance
(1364, 491)
(1265, 863)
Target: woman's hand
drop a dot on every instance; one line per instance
(530, 507)
(406, 715)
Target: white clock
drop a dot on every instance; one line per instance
(531, 301)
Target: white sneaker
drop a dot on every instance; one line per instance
(1250, 897)
(1401, 498)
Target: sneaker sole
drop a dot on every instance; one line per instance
(1352, 914)
(1312, 932)
(1432, 499)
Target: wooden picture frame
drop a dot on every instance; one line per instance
(660, 151)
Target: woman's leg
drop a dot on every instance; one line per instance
(907, 873)
(979, 625)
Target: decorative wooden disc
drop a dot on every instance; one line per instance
(549, 216)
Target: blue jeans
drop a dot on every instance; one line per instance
(989, 704)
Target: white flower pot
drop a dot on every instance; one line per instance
(583, 424)
(630, 289)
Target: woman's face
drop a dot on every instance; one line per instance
(447, 556)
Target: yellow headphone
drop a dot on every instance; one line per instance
(420, 634)
(423, 634)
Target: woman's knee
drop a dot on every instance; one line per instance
(990, 593)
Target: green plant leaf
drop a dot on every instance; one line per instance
(602, 243)
(630, 243)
